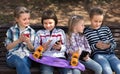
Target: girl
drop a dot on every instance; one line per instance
(52, 39)
(19, 41)
(102, 43)
(78, 43)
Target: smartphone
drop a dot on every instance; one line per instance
(57, 41)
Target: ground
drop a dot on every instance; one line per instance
(63, 8)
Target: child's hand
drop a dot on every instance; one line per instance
(86, 58)
(101, 45)
(25, 38)
(57, 46)
(46, 45)
(70, 52)
(21, 38)
(106, 45)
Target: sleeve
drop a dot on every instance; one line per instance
(9, 37)
(112, 41)
(32, 36)
(68, 46)
(63, 47)
(73, 44)
(88, 36)
(93, 47)
(86, 44)
(37, 40)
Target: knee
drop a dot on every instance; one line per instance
(98, 70)
(117, 69)
(107, 70)
(21, 65)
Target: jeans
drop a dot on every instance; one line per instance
(22, 65)
(45, 69)
(108, 62)
(74, 71)
(91, 64)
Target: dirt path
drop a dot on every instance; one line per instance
(63, 10)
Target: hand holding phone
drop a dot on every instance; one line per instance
(57, 45)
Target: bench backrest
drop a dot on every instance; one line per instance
(115, 30)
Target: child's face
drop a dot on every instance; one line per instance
(49, 24)
(23, 20)
(79, 27)
(96, 21)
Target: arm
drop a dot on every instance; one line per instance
(108, 42)
(73, 45)
(13, 44)
(37, 40)
(31, 40)
(86, 44)
(10, 43)
(61, 45)
(69, 50)
(112, 41)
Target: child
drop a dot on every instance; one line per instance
(78, 43)
(102, 43)
(52, 39)
(19, 41)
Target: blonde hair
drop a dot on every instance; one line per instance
(72, 21)
(19, 10)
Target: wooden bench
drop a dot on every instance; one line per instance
(4, 69)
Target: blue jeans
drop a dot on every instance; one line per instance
(45, 69)
(91, 64)
(108, 62)
(74, 71)
(22, 65)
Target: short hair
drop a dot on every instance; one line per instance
(96, 11)
(49, 14)
(19, 10)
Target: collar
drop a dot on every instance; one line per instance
(17, 27)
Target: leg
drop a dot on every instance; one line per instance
(102, 60)
(72, 71)
(45, 69)
(91, 64)
(18, 63)
(69, 71)
(63, 70)
(115, 63)
(76, 71)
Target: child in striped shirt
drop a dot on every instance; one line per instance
(102, 43)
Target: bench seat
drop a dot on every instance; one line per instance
(4, 69)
